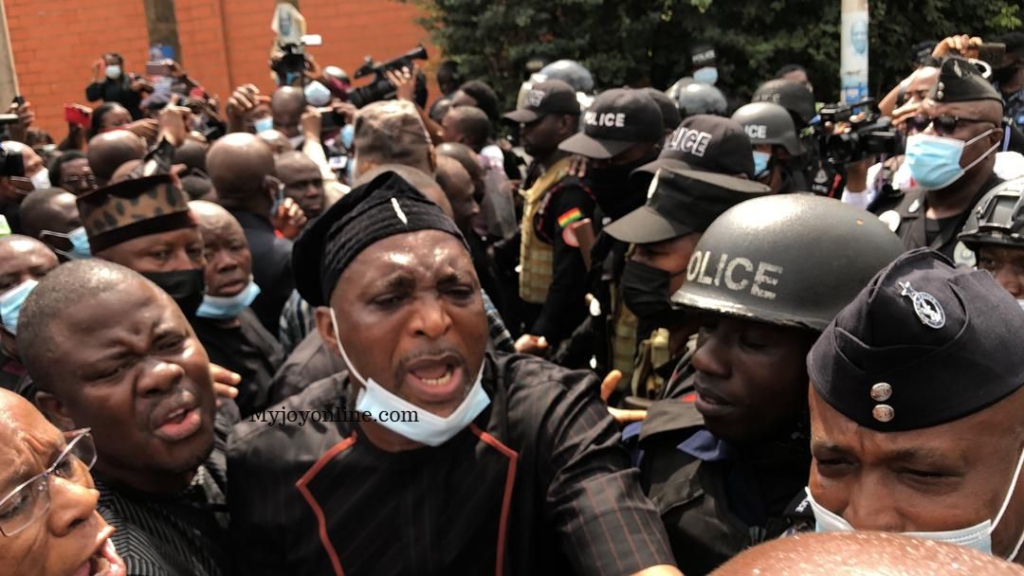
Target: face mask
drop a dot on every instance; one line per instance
(761, 160)
(263, 124)
(431, 429)
(978, 537)
(228, 307)
(11, 303)
(317, 94)
(612, 189)
(706, 75)
(185, 286)
(645, 291)
(80, 249)
(348, 136)
(934, 161)
(41, 179)
(113, 71)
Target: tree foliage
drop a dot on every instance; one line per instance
(647, 42)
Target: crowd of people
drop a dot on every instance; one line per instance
(606, 332)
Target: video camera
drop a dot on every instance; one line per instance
(7, 120)
(870, 133)
(11, 163)
(381, 88)
(293, 63)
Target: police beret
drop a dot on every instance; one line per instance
(923, 344)
(960, 81)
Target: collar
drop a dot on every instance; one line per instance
(703, 445)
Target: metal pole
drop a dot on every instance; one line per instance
(853, 69)
(8, 75)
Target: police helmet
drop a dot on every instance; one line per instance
(571, 72)
(693, 99)
(792, 96)
(768, 123)
(998, 218)
(767, 260)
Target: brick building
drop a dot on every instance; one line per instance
(223, 43)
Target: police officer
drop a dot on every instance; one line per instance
(693, 99)
(723, 464)
(993, 234)
(798, 100)
(552, 276)
(623, 130)
(951, 159)
(703, 171)
(915, 409)
(777, 146)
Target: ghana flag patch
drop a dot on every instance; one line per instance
(569, 217)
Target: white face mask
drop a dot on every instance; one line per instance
(978, 537)
(430, 429)
(41, 179)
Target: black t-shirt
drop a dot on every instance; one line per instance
(247, 349)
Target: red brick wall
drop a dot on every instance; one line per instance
(224, 43)
(55, 43)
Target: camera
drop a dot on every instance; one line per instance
(293, 63)
(381, 88)
(870, 133)
(11, 163)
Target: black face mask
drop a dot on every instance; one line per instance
(185, 286)
(645, 291)
(1004, 75)
(615, 193)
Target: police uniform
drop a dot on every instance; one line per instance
(757, 262)
(618, 120)
(998, 220)
(552, 271)
(923, 345)
(905, 212)
(695, 182)
(537, 482)
(770, 123)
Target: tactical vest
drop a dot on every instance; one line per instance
(623, 325)
(653, 355)
(536, 257)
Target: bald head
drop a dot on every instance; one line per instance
(124, 172)
(108, 151)
(864, 553)
(468, 125)
(239, 165)
(287, 105)
(211, 215)
(52, 209)
(191, 154)
(418, 179)
(18, 415)
(73, 284)
(278, 142)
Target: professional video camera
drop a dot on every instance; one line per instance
(292, 64)
(870, 133)
(381, 88)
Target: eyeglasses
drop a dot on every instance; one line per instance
(81, 183)
(945, 124)
(26, 503)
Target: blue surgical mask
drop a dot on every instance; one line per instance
(348, 136)
(978, 537)
(113, 71)
(706, 75)
(934, 161)
(11, 303)
(761, 160)
(228, 307)
(263, 124)
(317, 94)
(428, 428)
(80, 249)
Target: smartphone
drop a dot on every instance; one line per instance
(73, 115)
(992, 53)
(160, 68)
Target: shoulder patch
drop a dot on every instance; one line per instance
(891, 219)
(569, 217)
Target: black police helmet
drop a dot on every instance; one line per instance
(693, 99)
(768, 123)
(998, 219)
(572, 73)
(792, 96)
(790, 260)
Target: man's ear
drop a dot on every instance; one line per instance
(54, 410)
(322, 316)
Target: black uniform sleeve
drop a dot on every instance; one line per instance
(564, 308)
(605, 523)
(94, 92)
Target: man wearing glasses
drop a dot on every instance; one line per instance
(950, 154)
(49, 525)
(110, 350)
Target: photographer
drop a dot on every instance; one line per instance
(111, 84)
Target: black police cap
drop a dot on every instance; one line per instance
(923, 344)
(961, 81)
